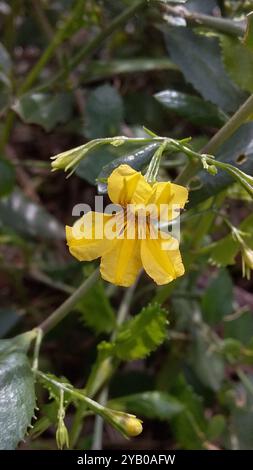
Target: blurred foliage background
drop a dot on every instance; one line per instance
(71, 71)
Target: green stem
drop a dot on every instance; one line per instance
(61, 312)
(103, 373)
(243, 113)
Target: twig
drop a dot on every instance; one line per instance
(223, 25)
(243, 113)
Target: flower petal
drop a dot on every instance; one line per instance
(162, 265)
(86, 239)
(127, 186)
(172, 196)
(122, 263)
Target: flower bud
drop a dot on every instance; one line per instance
(62, 437)
(126, 423)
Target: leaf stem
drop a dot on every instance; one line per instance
(61, 312)
(241, 115)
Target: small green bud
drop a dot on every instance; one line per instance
(62, 436)
(212, 170)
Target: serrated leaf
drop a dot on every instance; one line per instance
(45, 109)
(142, 334)
(238, 61)
(17, 395)
(248, 38)
(217, 300)
(193, 108)
(237, 147)
(103, 112)
(153, 405)
(199, 58)
(7, 177)
(24, 216)
(96, 310)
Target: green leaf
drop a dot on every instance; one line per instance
(248, 38)
(104, 112)
(207, 364)
(142, 334)
(17, 396)
(46, 110)
(137, 159)
(238, 61)
(191, 425)
(54, 391)
(98, 70)
(217, 301)
(96, 310)
(192, 108)
(26, 217)
(240, 328)
(216, 426)
(153, 405)
(242, 420)
(237, 151)
(199, 58)
(7, 177)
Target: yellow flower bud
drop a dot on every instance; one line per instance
(126, 423)
(133, 426)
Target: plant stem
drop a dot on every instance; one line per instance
(243, 113)
(61, 312)
(222, 25)
(97, 443)
(93, 384)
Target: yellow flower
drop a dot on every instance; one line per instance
(123, 255)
